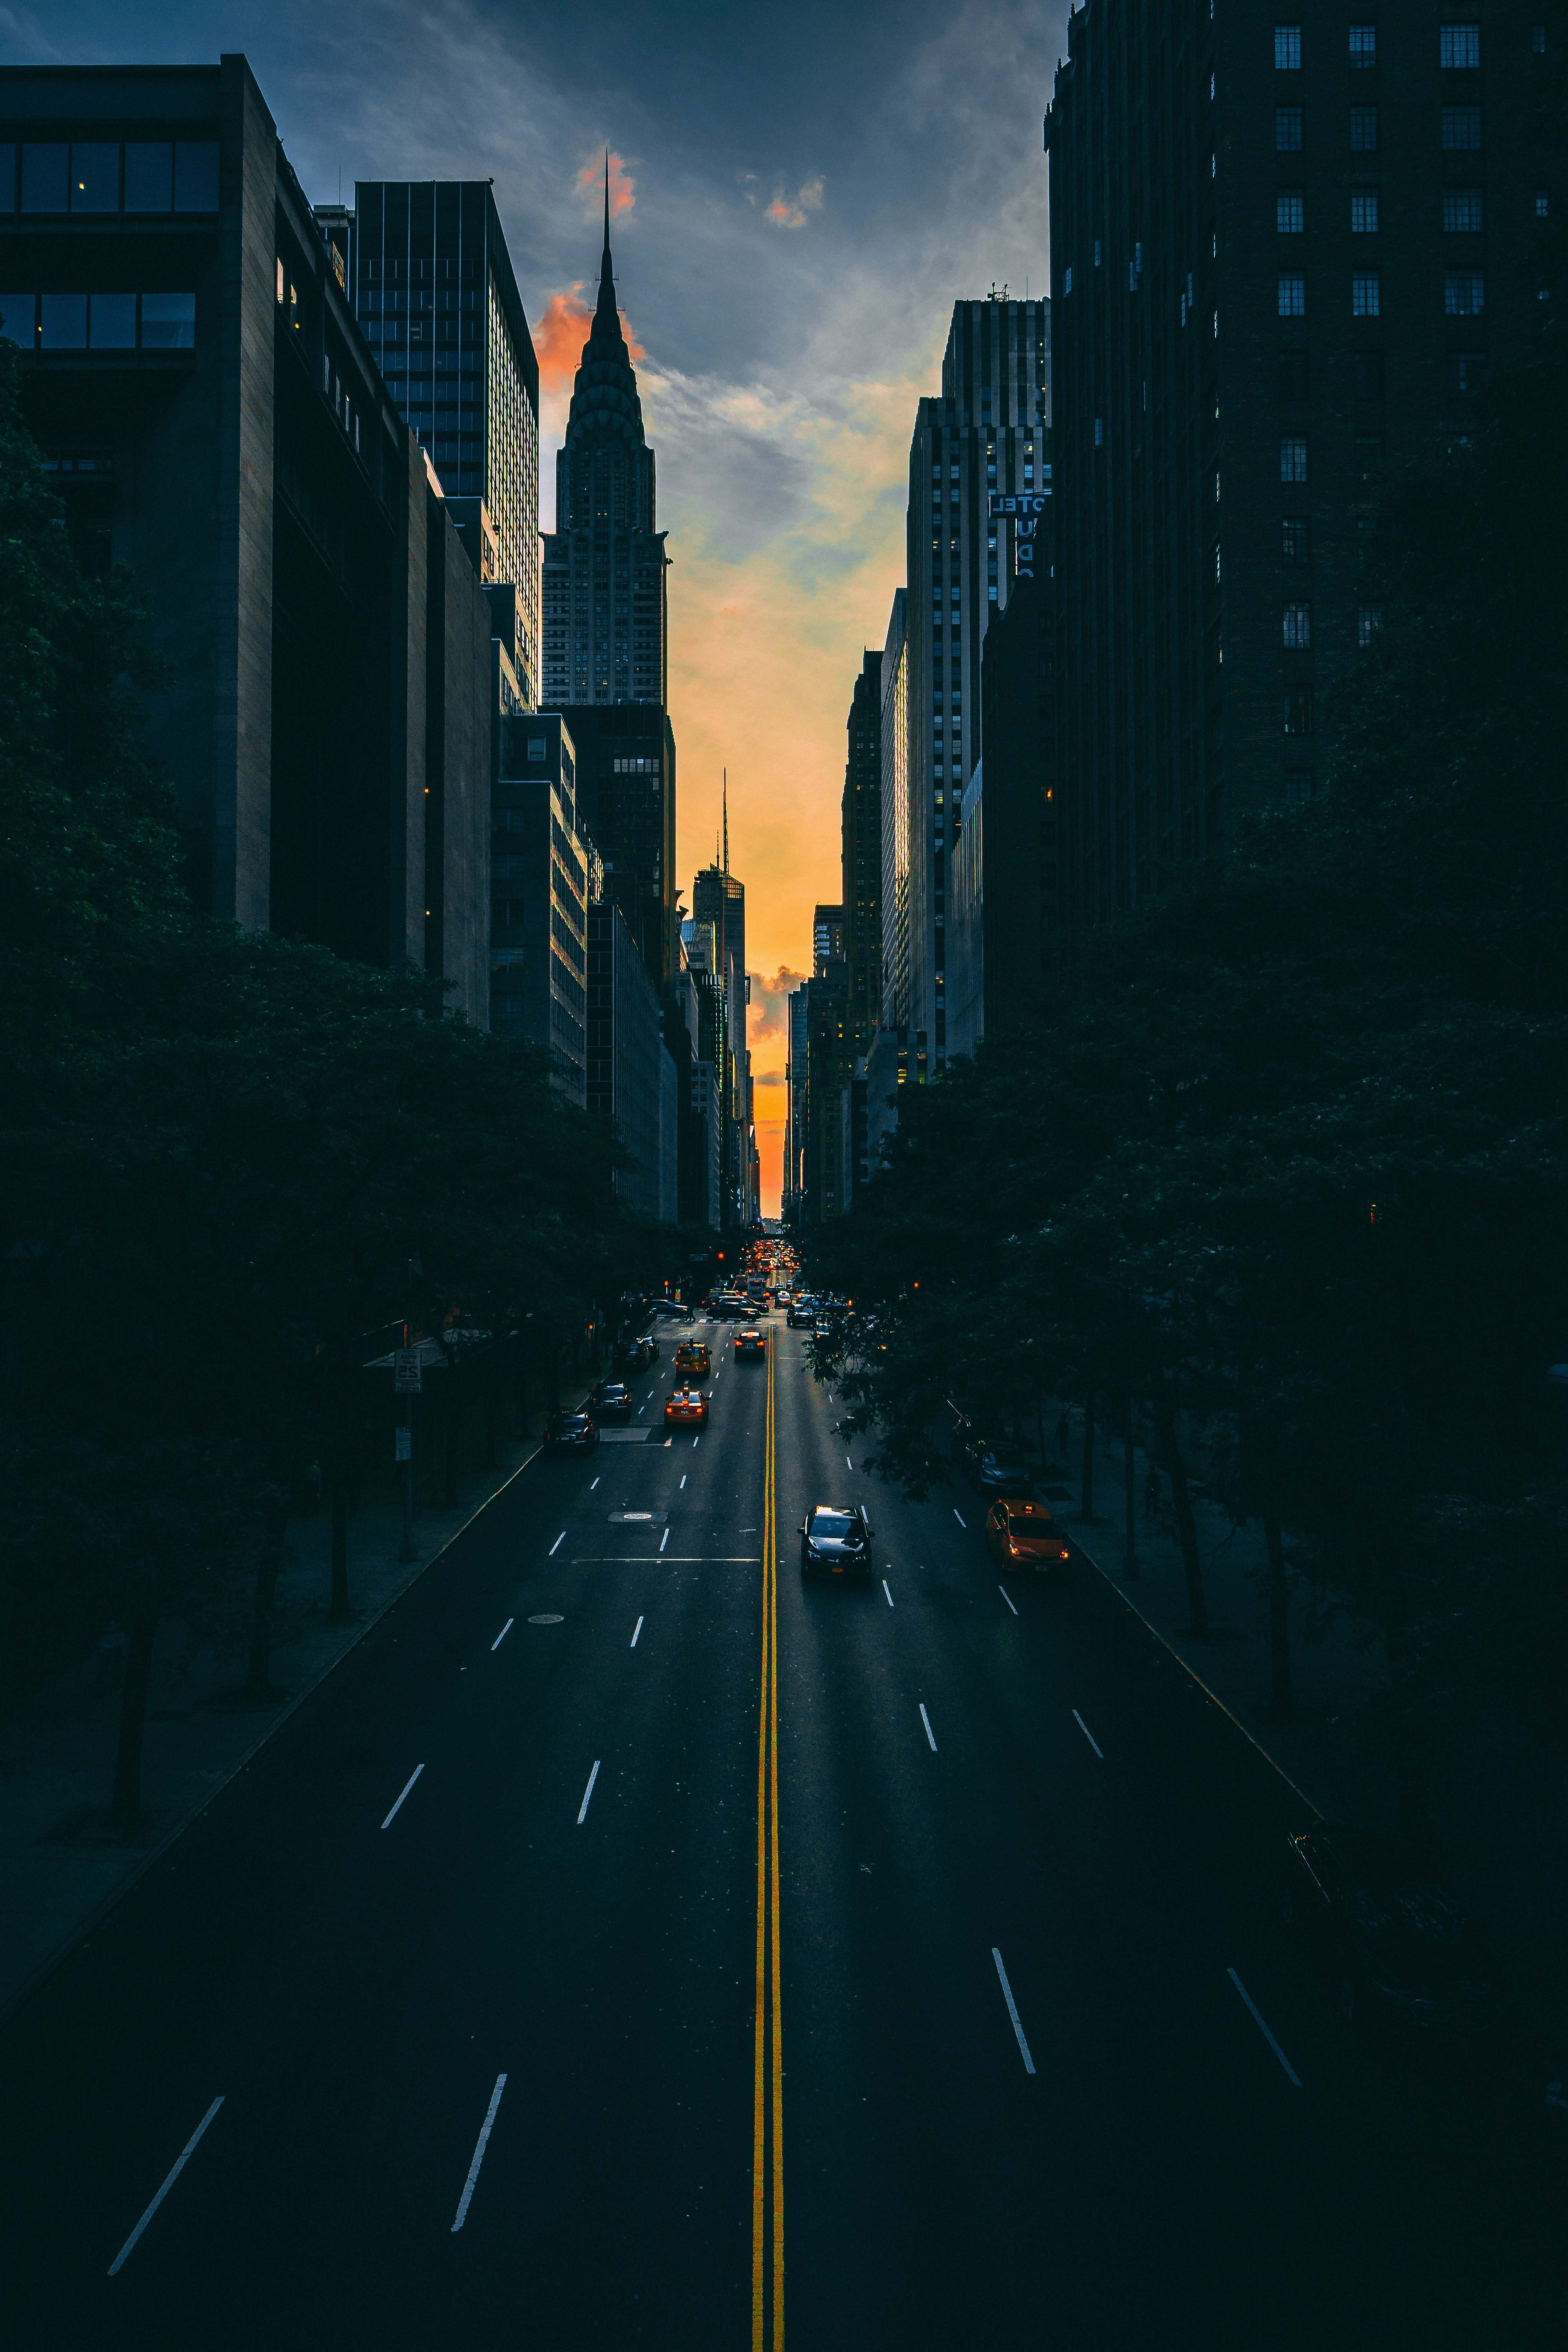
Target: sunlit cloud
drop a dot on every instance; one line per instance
(792, 211)
(623, 187)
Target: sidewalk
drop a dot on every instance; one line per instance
(1336, 1665)
(61, 1864)
(1504, 1810)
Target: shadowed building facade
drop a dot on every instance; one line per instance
(1283, 254)
(207, 407)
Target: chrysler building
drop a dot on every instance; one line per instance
(603, 594)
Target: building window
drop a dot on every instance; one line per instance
(64, 322)
(1464, 294)
(1287, 130)
(1462, 211)
(1292, 458)
(1098, 431)
(1298, 627)
(1365, 294)
(1363, 45)
(1369, 456)
(149, 175)
(1293, 377)
(1538, 40)
(1364, 212)
(1296, 540)
(1543, 205)
(1462, 130)
(1368, 621)
(1460, 46)
(95, 176)
(1363, 130)
(1066, 279)
(1299, 712)
(1292, 297)
(1287, 48)
(1216, 569)
(45, 178)
(1290, 213)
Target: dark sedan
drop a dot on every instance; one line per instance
(1394, 1942)
(637, 1355)
(836, 1542)
(611, 1400)
(570, 1433)
(999, 1470)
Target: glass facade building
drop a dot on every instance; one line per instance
(430, 278)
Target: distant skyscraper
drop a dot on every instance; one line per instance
(604, 613)
(862, 846)
(986, 433)
(894, 1010)
(719, 902)
(430, 279)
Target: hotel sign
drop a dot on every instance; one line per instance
(1023, 509)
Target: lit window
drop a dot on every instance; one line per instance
(1543, 205)
(1292, 458)
(1364, 212)
(1461, 210)
(1298, 712)
(1292, 297)
(1290, 213)
(1368, 621)
(1464, 293)
(1098, 431)
(1364, 296)
(1216, 569)
(1363, 130)
(1066, 279)
(1287, 130)
(1462, 130)
(1363, 45)
(1538, 40)
(1459, 45)
(1298, 626)
(1287, 48)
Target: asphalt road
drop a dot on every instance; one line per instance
(1037, 2064)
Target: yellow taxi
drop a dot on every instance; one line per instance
(692, 1360)
(1023, 1534)
(685, 1408)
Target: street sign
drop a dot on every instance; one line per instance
(407, 1369)
(405, 1446)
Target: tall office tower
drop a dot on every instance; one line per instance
(985, 434)
(861, 822)
(719, 900)
(796, 1082)
(894, 1008)
(211, 416)
(1282, 255)
(431, 281)
(604, 606)
(545, 876)
(829, 941)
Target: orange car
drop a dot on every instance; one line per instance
(686, 1407)
(751, 1343)
(1021, 1534)
(692, 1360)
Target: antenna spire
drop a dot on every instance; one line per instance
(726, 776)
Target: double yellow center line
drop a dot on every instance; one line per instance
(767, 2116)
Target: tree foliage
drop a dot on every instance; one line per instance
(1288, 1144)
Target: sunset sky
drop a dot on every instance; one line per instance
(800, 193)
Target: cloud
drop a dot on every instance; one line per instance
(790, 212)
(623, 187)
(560, 332)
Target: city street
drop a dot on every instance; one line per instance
(451, 2001)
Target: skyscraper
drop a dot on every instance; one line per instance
(894, 1010)
(1282, 255)
(861, 823)
(719, 903)
(985, 434)
(604, 607)
(427, 270)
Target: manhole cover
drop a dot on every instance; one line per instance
(547, 1620)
